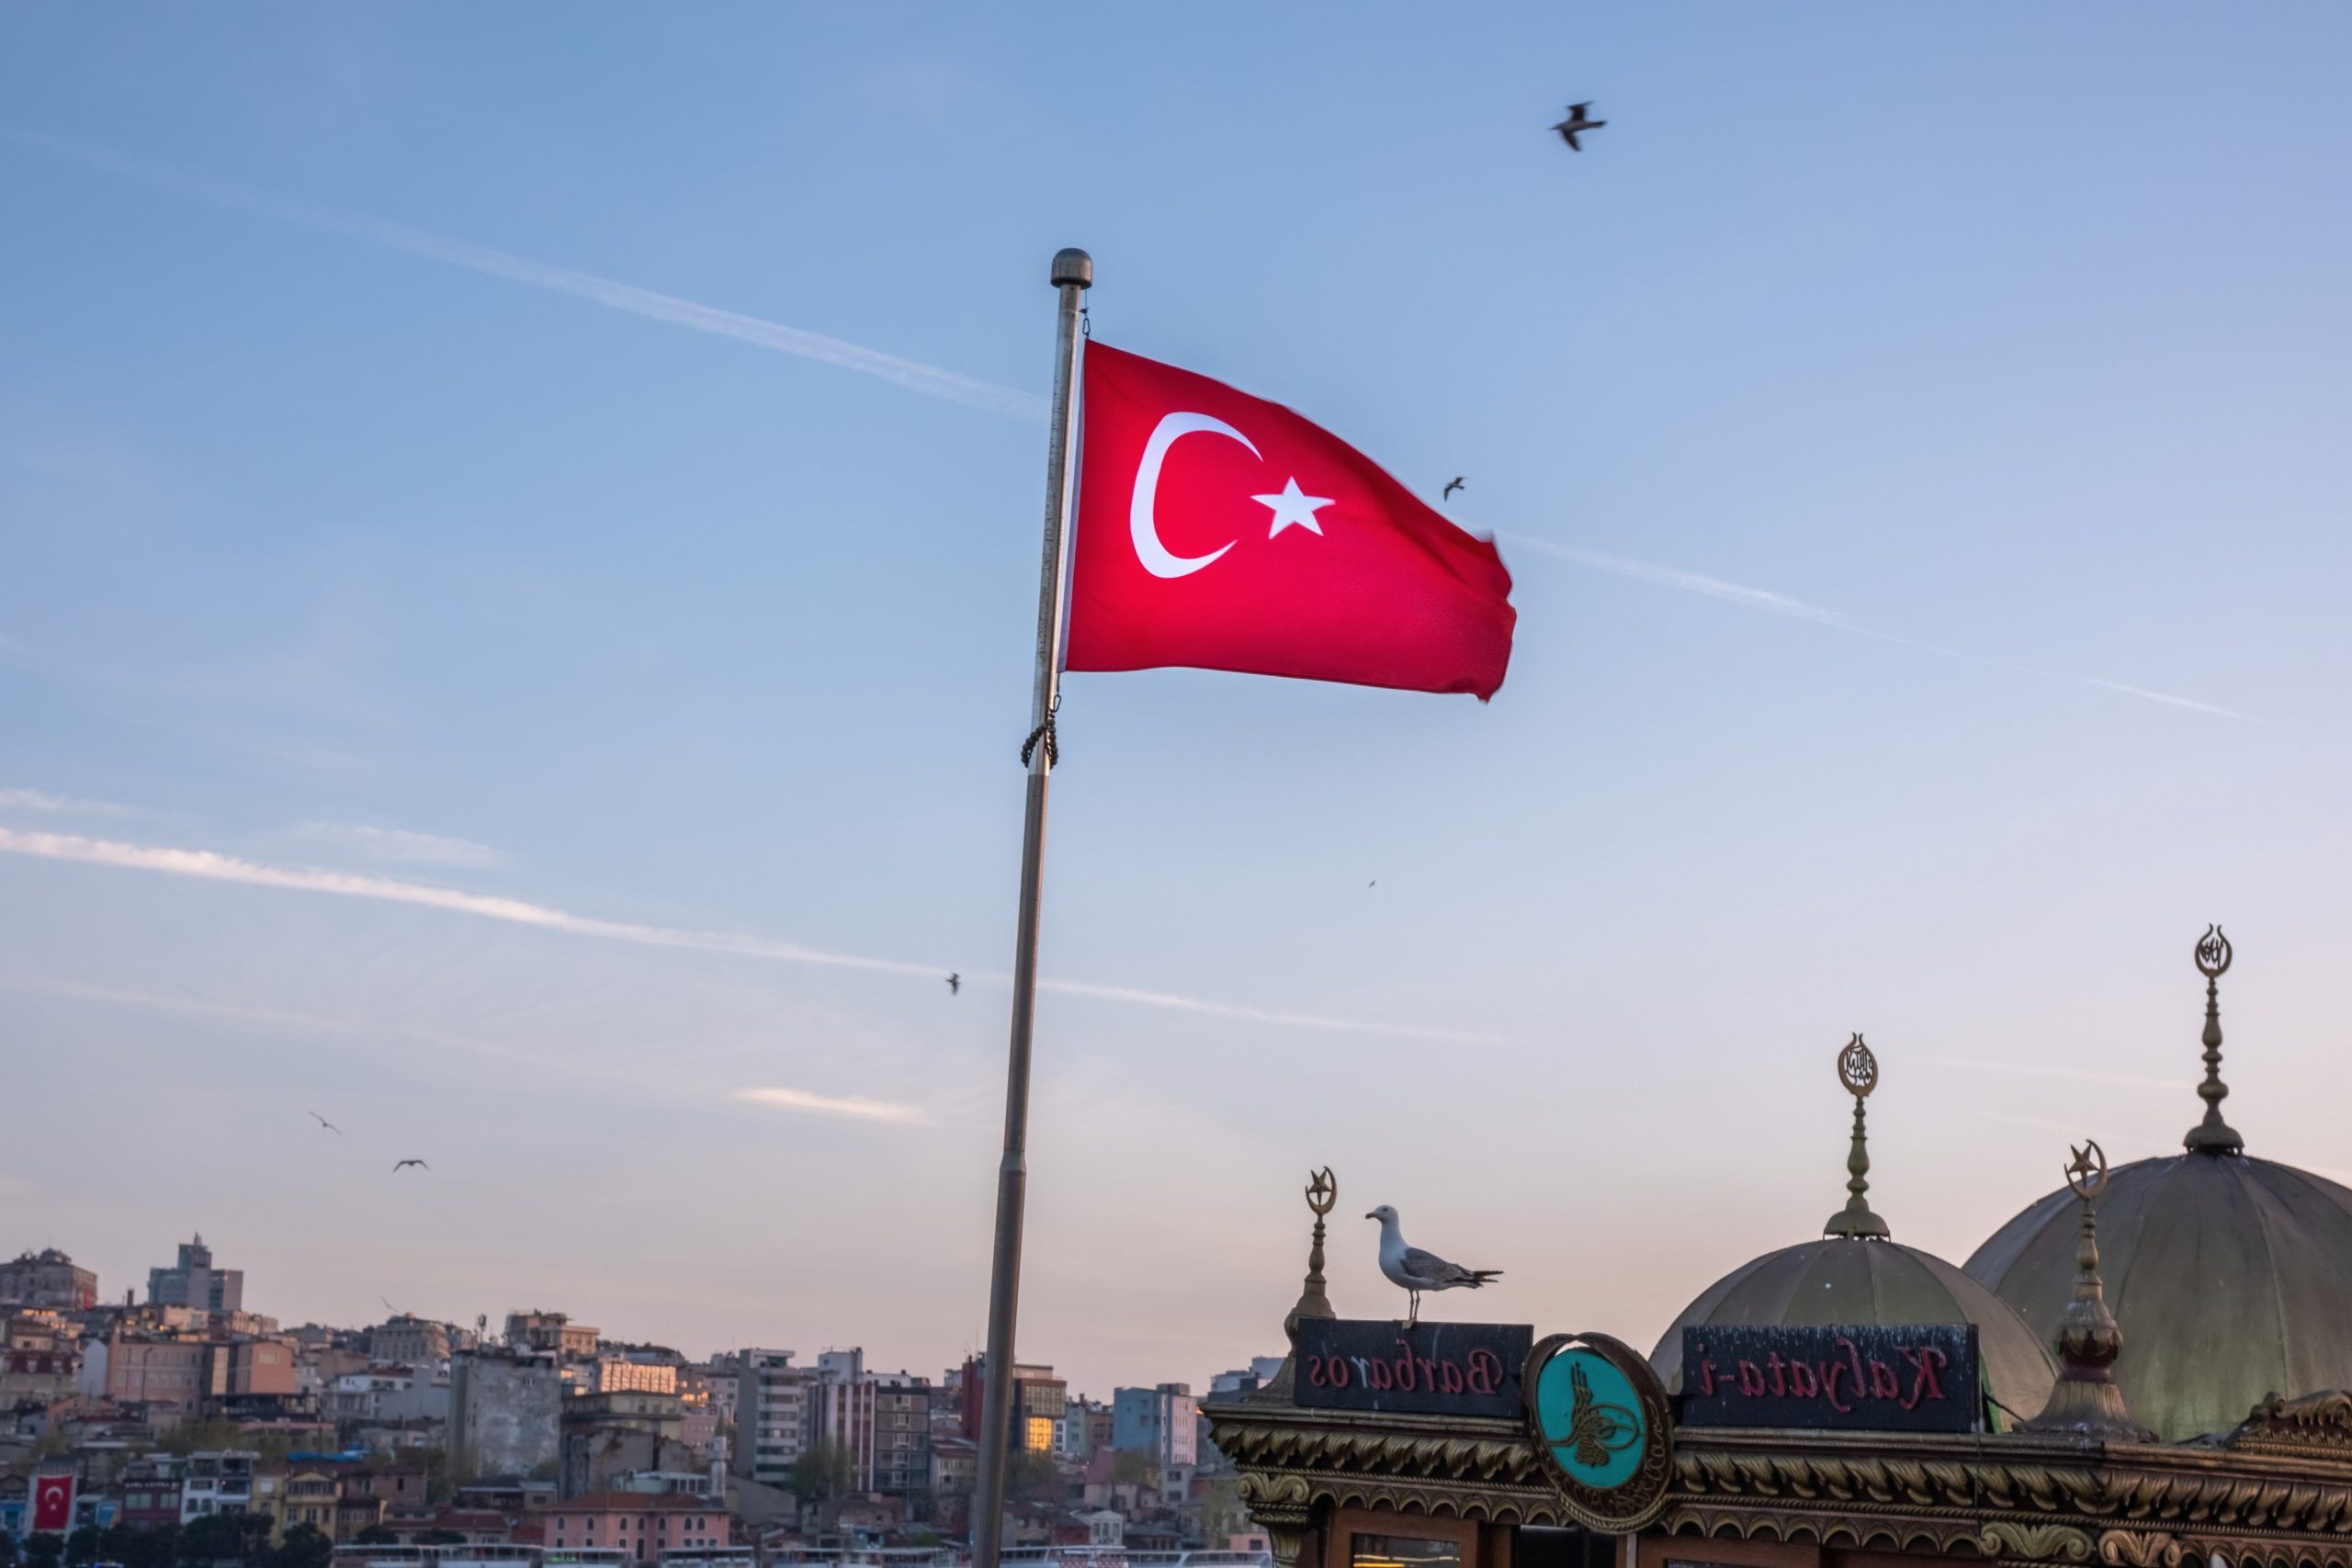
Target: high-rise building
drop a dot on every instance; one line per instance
(1164, 1422)
(194, 1283)
(1040, 1401)
(902, 1435)
(772, 1415)
(841, 1412)
(48, 1279)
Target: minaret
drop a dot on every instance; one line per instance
(1858, 1070)
(2212, 1135)
(2086, 1400)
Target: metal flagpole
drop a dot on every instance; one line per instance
(1073, 273)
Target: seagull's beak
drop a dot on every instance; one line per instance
(1373, 1215)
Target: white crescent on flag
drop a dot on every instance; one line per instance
(1156, 558)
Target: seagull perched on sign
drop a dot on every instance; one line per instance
(406, 1163)
(1416, 1271)
(1577, 121)
(1450, 485)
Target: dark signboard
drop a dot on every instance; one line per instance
(1431, 1369)
(1871, 1378)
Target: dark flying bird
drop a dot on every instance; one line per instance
(954, 984)
(406, 1163)
(327, 1124)
(1575, 123)
(1450, 485)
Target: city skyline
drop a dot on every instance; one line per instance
(520, 553)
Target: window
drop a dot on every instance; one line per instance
(1403, 1551)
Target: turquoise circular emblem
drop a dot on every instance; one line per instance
(1591, 1417)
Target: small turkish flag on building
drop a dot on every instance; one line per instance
(1266, 544)
(53, 1504)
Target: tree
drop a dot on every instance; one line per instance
(136, 1548)
(441, 1537)
(820, 1472)
(44, 1549)
(224, 1538)
(1135, 1467)
(1033, 1475)
(305, 1546)
(375, 1535)
(82, 1547)
(8, 1550)
(1222, 1515)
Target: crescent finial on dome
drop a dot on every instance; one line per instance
(1858, 1072)
(2212, 1135)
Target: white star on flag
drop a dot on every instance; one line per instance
(1293, 506)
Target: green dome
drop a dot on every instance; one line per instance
(1846, 1281)
(2229, 1276)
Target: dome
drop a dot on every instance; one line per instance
(1842, 1281)
(1856, 1276)
(2227, 1275)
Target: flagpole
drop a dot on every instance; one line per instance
(1073, 273)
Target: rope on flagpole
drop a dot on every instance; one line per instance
(1045, 732)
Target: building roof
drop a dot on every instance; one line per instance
(1847, 1280)
(638, 1503)
(2226, 1274)
(1856, 1275)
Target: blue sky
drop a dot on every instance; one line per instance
(1916, 434)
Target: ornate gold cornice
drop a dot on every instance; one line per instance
(2275, 1494)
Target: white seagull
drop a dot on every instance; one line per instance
(1416, 1271)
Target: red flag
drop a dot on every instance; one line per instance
(53, 1504)
(1266, 544)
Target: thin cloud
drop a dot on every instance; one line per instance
(212, 866)
(64, 805)
(2190, 703)
(928, 379)
(400, 846)
(2078, 1075)
(1762, 599)
(848, 1106)
(1773, 603)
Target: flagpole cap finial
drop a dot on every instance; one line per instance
(1073, 266)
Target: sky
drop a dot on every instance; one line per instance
(517, 556)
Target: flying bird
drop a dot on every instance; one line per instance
(406, 1163)
(1577, 121)
(954, 984)
(327, 1124)
(1450, 485)
(1416, 1271)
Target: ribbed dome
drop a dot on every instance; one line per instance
(2230, 1278)
(1847, 1280)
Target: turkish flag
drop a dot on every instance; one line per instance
(53, 1504)
(1223, 532)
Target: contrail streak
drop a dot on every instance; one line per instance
(212, 866)
(2079, 1075)
(1688, 581)
(312, 1024)
(1773, 603)
(928, 379)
